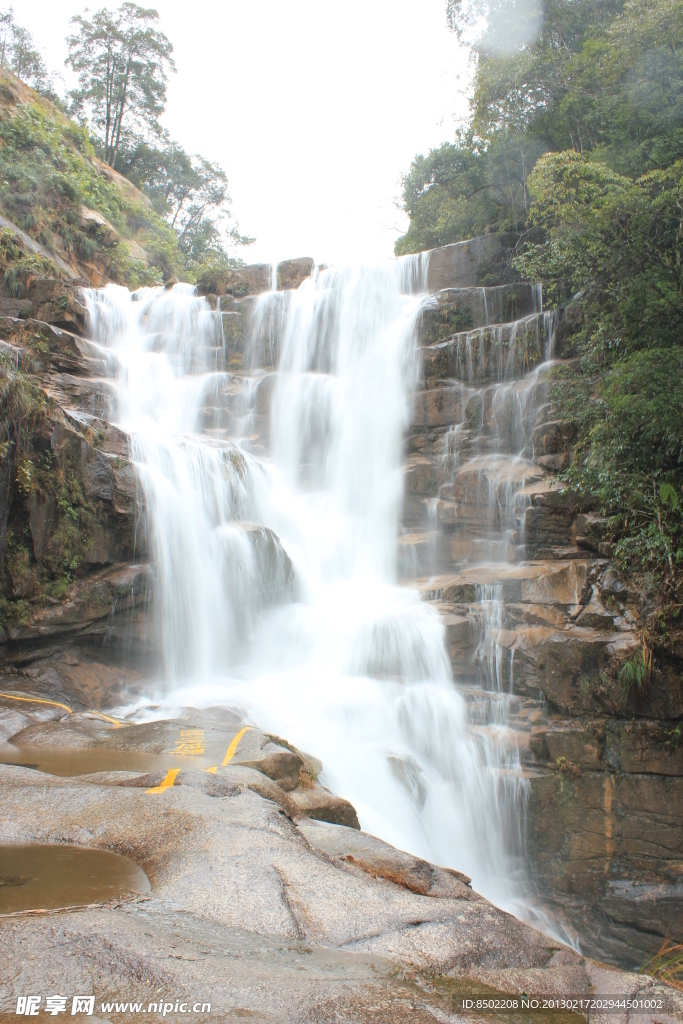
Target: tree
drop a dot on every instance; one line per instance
(19, 54)
(189, 191)
(122, 62)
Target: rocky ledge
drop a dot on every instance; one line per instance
(255, 903)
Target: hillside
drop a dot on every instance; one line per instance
(66, 214)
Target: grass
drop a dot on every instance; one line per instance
(48, 172)
(667, 964)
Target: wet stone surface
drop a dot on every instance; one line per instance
(35, 877)
(262, 911)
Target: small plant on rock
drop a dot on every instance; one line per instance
(635, 674)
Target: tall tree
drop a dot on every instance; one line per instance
(19, 54)
(122, 62)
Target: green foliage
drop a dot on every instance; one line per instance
(48, 171)
(190, 193)
(574, 154)
(19, 267)
(19, 55)
(619, 241)
(667, 964)
(22, 406)
(634, 676)
(122, 62)
(668, 496)
(602, 77)
(619, 237)
(48, 167)
(675, 738)
(466, 189)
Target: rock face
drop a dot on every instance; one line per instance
(534, 611)
(458, 265)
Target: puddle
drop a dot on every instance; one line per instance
(41, 877)
(67, 762)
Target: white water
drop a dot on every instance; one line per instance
(342, 661)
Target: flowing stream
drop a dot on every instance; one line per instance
(273, 498)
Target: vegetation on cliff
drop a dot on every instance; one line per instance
(67, 181)
(50, 178)
(573, 152)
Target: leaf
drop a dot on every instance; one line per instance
(667, 495)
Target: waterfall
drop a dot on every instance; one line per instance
(274, 541)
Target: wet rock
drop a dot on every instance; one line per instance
(474, 412)
(57, 302)
(236, 282)
(553, 437)
(421, 477)
(593, 835)
(461, 637)
(595, 616)
(437, 408)
(612, 589)
(570, 669)
(636, 747)
(322, 805)
(554, 463)
(290, 273)
(278, 763)
(90, 604)
(590, 530)
(549, 519)
(482, 354)
(40, 346)
(296, 932)
(363, 852)
(273, 578)
(458, 265)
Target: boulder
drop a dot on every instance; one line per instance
(236, 281)
(590, 530)
(96, 225)
(290, 273)
(322, 805)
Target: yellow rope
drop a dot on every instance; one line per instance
(37, 700)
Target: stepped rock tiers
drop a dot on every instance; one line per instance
(290, 588)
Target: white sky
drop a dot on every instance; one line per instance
(314, 108)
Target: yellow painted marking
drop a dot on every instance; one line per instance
(230, 752)
(107, 718)
(37, 700)
(190, 744)
(171, 776)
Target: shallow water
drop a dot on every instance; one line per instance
(42, 877)
(67, 762)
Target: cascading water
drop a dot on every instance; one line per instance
(277, 578)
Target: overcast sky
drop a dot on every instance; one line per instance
(313, 108)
